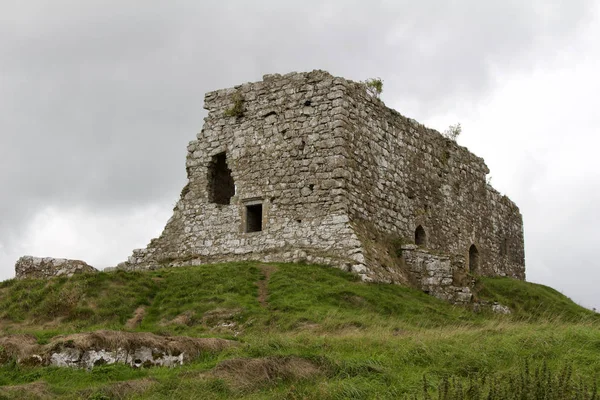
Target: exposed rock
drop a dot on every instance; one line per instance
(139, 357)
(44, 268)
(494, 307)
(500, 309)
(87, 350)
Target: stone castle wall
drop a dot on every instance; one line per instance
(403, 175)
(339, 179)
(283, 153)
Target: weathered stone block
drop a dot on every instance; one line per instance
(44, 268)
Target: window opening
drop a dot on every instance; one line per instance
(221, 187)
(504, 247)
(420, 236)
(473, 259)
(254, 216)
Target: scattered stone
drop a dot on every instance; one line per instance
(494, 307)
(501, 309)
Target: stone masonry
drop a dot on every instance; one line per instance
(311, 167)
(45, 268)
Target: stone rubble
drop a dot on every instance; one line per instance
(45, 268)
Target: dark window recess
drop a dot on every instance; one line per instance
(254, 217)
(504, 248)
(420, 236)
(473, 259)
(221, 187)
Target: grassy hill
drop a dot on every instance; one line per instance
(306, 331)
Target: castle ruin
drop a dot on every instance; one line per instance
(308, 167)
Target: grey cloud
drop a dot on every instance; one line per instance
(564, 254)
(99, 99)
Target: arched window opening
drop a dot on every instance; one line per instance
(473, 259)
(221, 187)
(420, 236)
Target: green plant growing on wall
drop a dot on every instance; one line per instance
(397, 244)
(453, 131)
(237, 109)
(374, 86)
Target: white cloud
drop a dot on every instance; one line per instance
(101, 239)
(538, 133)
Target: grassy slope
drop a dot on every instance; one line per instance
(367, 340)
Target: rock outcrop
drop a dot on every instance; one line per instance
(91, 349)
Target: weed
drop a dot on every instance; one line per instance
(237, 109)
(374, 86)
(453, 132)
(360, 340)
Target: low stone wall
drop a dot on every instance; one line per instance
(439, 275)
(47, 267)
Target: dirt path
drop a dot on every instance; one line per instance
(263, 291)
(138, 316)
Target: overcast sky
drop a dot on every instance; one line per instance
(98, 100)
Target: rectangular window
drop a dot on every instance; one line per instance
(254, 217)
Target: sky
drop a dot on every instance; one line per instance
(98, 100)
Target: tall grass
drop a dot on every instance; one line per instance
(366, 340)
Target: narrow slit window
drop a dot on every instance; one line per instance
(254, 217)
(473, 259)
(504, 247)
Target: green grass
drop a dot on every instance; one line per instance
(365, 340)
(530, 301)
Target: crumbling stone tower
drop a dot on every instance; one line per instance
(310, 167)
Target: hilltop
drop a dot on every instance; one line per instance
(298, 331)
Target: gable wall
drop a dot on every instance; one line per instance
(282, 152)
